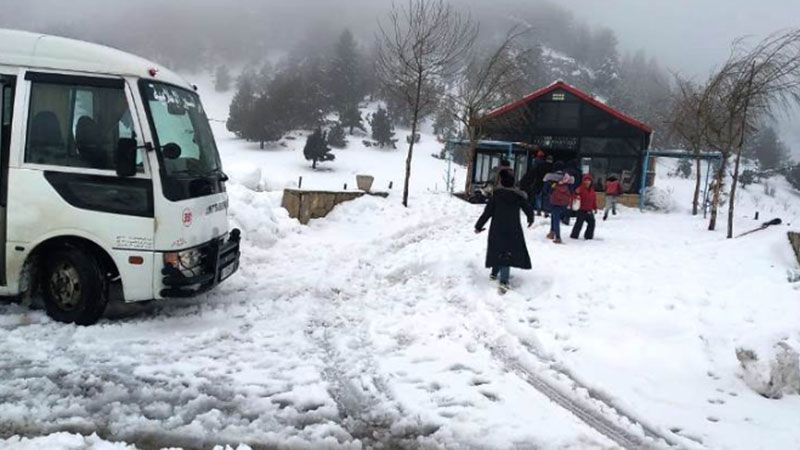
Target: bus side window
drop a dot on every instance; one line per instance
(74, 125)
(6, 103)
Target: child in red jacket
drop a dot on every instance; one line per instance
(613, 191)
(588, 199)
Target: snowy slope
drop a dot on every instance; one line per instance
(378, 325)
(281, 164)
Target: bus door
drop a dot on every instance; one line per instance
(7, 85)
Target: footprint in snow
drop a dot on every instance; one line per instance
(492, 396)
(561, 337)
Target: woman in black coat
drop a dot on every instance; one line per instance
(506, 247)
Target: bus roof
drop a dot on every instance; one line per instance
(41, 51)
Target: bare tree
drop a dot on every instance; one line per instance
(484, 83)
(752, 84)
(423, 44)
(688, 125)
(719, 126)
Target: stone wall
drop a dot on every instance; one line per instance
(794, 238)
(306, 205)
(629, 200)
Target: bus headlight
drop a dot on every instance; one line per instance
(187, 259)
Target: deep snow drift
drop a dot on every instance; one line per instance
(379, 325)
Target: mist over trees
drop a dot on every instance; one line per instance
(297, 35)
(300, 91)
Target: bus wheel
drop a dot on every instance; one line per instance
(73, 287)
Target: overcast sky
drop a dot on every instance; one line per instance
(688, 35)
(694, 36)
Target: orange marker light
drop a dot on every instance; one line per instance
(171, 259)
(136, 260)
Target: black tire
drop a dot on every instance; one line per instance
(73, 286)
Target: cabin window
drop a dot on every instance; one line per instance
(76, 126)
(557, 115)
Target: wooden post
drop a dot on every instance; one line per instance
(390, 185)
(300, 182)
(345, 187)
(756, 217)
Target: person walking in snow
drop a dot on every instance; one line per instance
(533, 181)
(613, 192)
(493, 182)
(494, 174)
(547, 167)
(588, 207)
(560, 197)
(506, 247)
(573, 169)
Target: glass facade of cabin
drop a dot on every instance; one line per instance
(572, 126)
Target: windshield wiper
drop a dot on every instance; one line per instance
(221, 176)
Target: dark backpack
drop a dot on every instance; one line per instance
(560, 196)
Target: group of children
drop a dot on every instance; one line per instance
(547, 188)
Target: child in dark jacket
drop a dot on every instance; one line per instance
(588, 199)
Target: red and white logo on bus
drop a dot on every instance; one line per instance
(187, 217)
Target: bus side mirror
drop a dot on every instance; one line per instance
(126, 157)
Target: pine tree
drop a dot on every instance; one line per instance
(793, 176)
(767, 148)
(222, 79)
(382, 129)
(269, 123)
(350, 117)
(684, 168)
(242, 106)
(444, 125)
(345, 78)
(604, 61)
(336, 136)
(317, 149)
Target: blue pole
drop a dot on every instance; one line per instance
(705, 190)
(643, 180)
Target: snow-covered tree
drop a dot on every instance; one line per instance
(350, 118)
(603, 59)
(316, 148)
(336, 136)
(793, 176)
(382, 129)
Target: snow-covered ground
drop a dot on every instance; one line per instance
(378, 326)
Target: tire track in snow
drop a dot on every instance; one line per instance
(367, 409)
(608, 422)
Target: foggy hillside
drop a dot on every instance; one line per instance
(188, 35)
(203, 34)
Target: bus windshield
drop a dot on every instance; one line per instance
(183, 136)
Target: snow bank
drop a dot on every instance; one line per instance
(62, 441)
(258, 214)
(773, 372)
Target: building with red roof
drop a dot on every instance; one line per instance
(571, 125)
